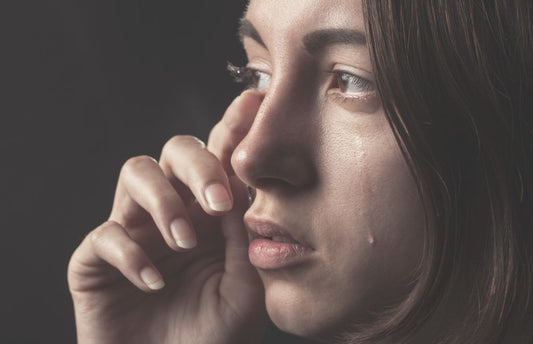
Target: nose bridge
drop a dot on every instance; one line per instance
(281, 114)
(277, 146)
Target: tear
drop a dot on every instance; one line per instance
(371, 240)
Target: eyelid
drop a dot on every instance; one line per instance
(359, 72)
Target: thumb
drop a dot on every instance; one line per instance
(241, 286)
(234, 230)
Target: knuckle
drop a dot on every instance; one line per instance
(170, 146)
(215, 131)
(98, 235)
(126, 253)
(235, 128)
(171, 143)
(132, 165)
(209, 160)
(238, 120)
(179, 141)
(164, 200)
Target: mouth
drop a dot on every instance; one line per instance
(283, 239)
(273, 247)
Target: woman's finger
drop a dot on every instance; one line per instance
(185, 160)
(234, 126)
(143, 188)
(111, 244)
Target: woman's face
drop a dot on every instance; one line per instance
(336, 227)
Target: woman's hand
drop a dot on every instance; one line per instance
(138, 278)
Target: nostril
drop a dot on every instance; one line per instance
(271, 183)
(269, 158)
(251, 194)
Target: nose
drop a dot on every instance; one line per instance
(278, 150)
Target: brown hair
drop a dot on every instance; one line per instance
(455, 78)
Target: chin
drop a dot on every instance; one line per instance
(295, 310)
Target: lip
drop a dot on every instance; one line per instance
(267, 254)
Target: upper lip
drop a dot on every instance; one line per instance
(266, 228)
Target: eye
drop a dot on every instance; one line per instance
(350, 85)
(249, 77)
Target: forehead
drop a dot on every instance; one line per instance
(289, 18)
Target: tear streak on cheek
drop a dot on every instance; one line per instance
(371, 240)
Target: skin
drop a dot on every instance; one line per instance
(211, 294)
(351, 186)
(343, 188)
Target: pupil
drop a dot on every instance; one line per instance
(343, 82)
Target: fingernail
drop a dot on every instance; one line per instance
(182, 233)
(152, 278)
(217, 197)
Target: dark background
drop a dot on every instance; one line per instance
(85, 85)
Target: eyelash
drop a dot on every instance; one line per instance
(342, 80)
(246, 76)
(341, 77)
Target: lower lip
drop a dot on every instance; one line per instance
(270, 255)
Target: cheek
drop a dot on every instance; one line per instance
(373, 209)
(367, 228)
(365, 180)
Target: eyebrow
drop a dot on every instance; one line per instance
(247, 29)
(317, 41)
(314, 42)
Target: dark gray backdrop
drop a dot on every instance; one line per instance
(85, 85)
